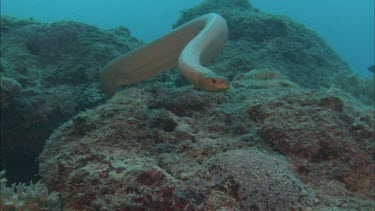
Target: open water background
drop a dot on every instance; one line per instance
(347, 25)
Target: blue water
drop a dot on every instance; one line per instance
(347, 25)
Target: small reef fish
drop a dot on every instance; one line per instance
(371, 68)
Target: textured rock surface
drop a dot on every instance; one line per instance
(259, 181)
(273, 42)
(33, 196)
(48, 73)
(171, 132)
(9, 88)
(151, 145)
(262, 41)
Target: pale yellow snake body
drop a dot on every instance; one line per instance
(189, 47)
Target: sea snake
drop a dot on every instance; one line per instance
(189, 46)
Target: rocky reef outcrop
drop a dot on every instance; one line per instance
(180, 148)
(291, 133)
(49, 72)
(264, 41)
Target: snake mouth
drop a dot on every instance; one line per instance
(214, 84)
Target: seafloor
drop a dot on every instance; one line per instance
(294, 132)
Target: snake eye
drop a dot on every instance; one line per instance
(213, 80)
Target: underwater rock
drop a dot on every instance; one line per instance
(259, 181)
(261, 79)
(258, 40)
(326, 136)
(9, 88)
(159, 134)
(261, 75)
(57, 66)
(319, 138)
(361, 89)
(33, 196)
(262, 41)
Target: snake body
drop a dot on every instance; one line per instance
(189, 46)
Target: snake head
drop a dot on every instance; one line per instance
(214, 84)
